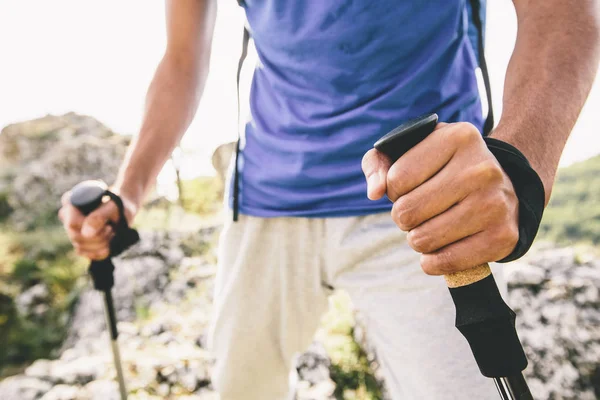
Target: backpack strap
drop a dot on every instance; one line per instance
(476, 11)
(236, 175)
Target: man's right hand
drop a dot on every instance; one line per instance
(91, 234)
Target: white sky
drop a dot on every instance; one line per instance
(97, 58)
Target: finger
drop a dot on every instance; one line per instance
(99, 218)
(94, 255)
(71, 217)
(483, 247)
(460, 221)
(375, 166)
(441, 192)
(65, 199)
(427, 158)
(97, 242)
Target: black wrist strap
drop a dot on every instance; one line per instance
(102, 270)
(529, 190)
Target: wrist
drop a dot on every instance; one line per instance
(132, 195)
(543, 156)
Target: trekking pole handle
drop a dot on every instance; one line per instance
(482, 316)
(394, 145)
(87, 195)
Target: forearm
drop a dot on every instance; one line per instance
(548, 79)
(171, 102)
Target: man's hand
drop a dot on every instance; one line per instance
(91, 234)
(452, 197)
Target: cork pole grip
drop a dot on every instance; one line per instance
(467, 277)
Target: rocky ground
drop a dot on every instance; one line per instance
(556, 295)
(163, 298)
(164, 286)
(163, 295)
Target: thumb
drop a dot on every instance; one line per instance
(95, 221)
(375, 166)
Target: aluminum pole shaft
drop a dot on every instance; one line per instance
(111, 321)
(513, 388)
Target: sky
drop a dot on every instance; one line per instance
(98, 57)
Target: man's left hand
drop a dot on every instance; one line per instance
(452, 197)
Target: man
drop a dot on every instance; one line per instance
(333, 77)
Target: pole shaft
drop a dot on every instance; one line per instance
(111, 321)
(513, 388)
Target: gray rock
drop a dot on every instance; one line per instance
(189, 381)
(62, 392)
(82, 148)
(519, 274)
(79, 371)
(23, 388)
(100, 390)
(30, 298)
(41, 369)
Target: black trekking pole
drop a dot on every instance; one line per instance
(87, 196)
(482, 316)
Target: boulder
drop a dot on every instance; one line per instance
(43, 158)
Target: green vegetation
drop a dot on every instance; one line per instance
(27, 259)
(573, 215)
(350, 368)
(202, 195)
(45, 255)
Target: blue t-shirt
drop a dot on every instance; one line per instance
(333, 77)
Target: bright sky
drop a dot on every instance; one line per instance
(97, 58)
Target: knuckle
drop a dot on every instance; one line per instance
(508, 235)
(403, 215)
(435, 264)
(445, 264)
(466, 133)
(419, 241)
(489, 172)
(495, 205)
(396, 180)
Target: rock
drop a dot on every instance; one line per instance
(313, 364)
(41, 369)
(62, 392)
(163, 390)
(82, 148)
(23, 388)
(27, 301)
(79, 371)
(558, 321)
(519, 274)
(189, 381)
(100, 390)
(164, 355)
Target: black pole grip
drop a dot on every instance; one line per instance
(482, 316)
(86, 197)
(488, 324)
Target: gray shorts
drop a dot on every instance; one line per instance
(272, 289)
